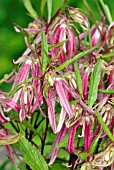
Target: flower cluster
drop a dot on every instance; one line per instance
(73, 70)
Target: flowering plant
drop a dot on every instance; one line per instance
(60, 109)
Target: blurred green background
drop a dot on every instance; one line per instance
(11, 43)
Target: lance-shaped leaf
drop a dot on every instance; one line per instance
(9, 139)
(106, 91)
(42, 6)
(78, 78)
(12, 92)
(30, 9)
(49, 6)
(32, 156)
(68, 62)
(95, 143)
(63, 98)
(104, 126)
(107, 11)
(108, 55)
(82, 155)
(44, 52)
(93, 84)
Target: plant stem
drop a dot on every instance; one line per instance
(46, 129)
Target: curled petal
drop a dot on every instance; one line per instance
(3, 119)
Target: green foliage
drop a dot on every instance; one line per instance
(45, 59)
(58, 166)
(94, 144)
(104, 126)
(107, 11)
(32, 156)
(49, 7)
(30, 9)
(78, 78)
(68, 62)
(93, 84)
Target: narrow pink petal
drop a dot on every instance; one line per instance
(72, 43)
(11, 156)
(62, 38)
(87, 134)
(51, 108)
(95, 37)
(85, 84)
(63, 98)
(54, 152)
(12, 105)
(21, 76)
(72, 136)
(55, 40)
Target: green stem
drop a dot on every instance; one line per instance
(46, 129)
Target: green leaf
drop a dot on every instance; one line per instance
(64, 4)
(49, 6)
(32, 156)
(63, 142)
(58, 44)
(78, 78)
(58, 166)
(29, 126)
(12, 92)
(43, 3)
(95, 143)
(108, 55)
(82, 155)
(106, 91)
(104, 126)
(30, 9)
(68, 62)
(44, 52)
(107, 11)
(93, 84)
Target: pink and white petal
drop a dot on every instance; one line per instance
(54, 152)
(12, 105)
(63, 98)
(51, 108)
(85, 80)
(21, 76)
(61, 119)
(87, 134)
(72, 136)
